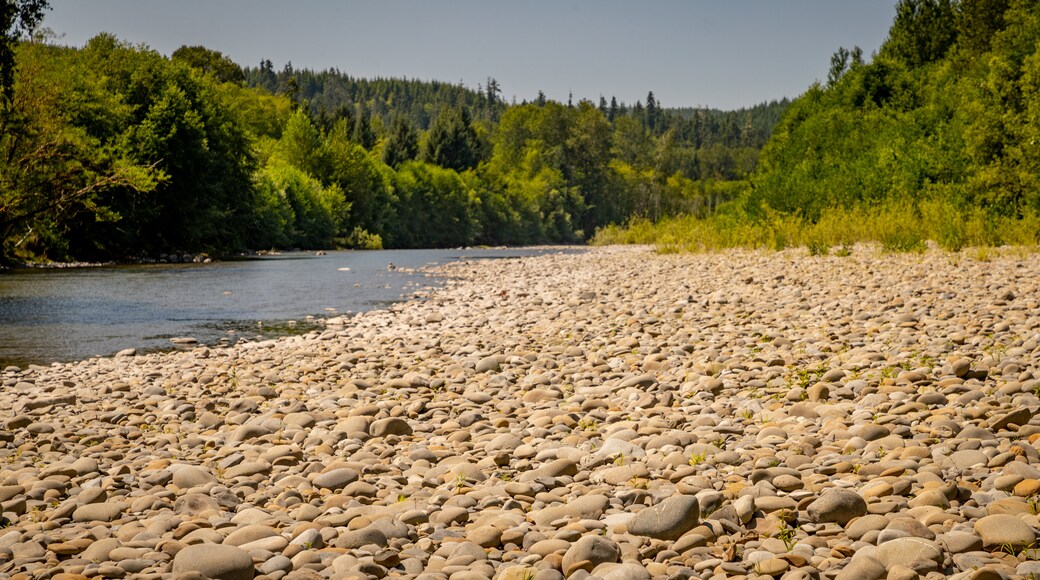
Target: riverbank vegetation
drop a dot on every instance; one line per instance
(936, 138)
(112, 151)
(894, 225)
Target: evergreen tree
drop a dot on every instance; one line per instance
(652, 111)
(402, 144)
(638, 113)
(613, 111)
(697, 129)
(363, 134)
(922, 32)
(268, 79)
(857, 57)
(346, 115)
(978, 21)
(839, 64)
(452, 141)
(492, 92)
(292, 90)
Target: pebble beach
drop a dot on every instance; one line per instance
(615, 414)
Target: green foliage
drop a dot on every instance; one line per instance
(273, 216)
(362, 133)
(62, 161)
(112, 151)
(978, 21)
(183, 129)
(930, 118)
(937, 139)
(211, 62)
(331, 92)
(923, 31)
(313, 210)
(301, 144)
(434, 207)
(18, 19)
(367, 184)
(363, 240)
(452, 141)
(787, 534)
(898, 229)
(894, 225)
(402, 144)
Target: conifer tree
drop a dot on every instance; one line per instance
(452, 141)
(402, 144)
(363, 134)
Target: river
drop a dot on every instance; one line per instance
(49, 315)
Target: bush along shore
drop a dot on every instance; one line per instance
(620, 414)
(895, 226)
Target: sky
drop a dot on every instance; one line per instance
(723, 54)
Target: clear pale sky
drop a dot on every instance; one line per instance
(717, 53)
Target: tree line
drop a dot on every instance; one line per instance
(113, 151)
(947, 110)
(934, 137)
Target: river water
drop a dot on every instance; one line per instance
(72, 314)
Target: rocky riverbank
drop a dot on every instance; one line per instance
(617, 414)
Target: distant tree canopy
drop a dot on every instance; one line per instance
(112, 151)
(452, 141)
(923, 31)
(402, 144)
(210, 61)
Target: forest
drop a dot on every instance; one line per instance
(114, 152)
(936, 138)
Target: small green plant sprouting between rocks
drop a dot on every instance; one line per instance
(459, 482)
(787, 535)
(588, 424)
(698, 458)
(803, 377)
(1030, 553)
(1008, 548)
